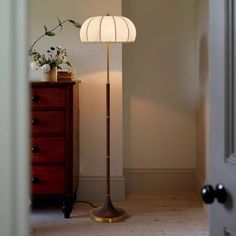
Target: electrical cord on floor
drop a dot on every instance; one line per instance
(79, 201)
(89, 203)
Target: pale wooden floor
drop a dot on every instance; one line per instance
(149, 215)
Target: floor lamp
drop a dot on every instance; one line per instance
(108, 29)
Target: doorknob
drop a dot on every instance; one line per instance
(221, 193)
(208, 193)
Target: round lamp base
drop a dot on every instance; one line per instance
(108, 213)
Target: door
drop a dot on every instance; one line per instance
(222, 119)
(13, 119)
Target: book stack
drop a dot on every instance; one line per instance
(65, 76)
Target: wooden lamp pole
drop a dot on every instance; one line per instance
(108, 213)
(108, 122)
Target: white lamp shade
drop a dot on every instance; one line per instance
(108, 29)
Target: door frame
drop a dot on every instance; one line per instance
(14, 119)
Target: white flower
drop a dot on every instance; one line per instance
(34, 66)
(65, 59)
(46, 68)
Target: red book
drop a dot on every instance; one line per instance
(64, 75)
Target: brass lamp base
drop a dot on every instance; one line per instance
(108, 213)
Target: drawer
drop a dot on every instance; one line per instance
(48, 98)
(48, 122)
(47, 150)
(48, 180)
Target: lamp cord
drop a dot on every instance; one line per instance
(86, 202)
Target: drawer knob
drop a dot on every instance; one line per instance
(35, 122)
(35, 180)
(35, 149)
(35, 98)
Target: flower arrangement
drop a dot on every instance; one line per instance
(55, 56)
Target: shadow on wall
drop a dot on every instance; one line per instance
(93, 121)
(203, 66)
(160, 86)
(202, 109)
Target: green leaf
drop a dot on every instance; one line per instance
(68, 63)
(50, 33)
(76, 24)
(45, 28)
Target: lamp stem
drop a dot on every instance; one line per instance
(108, 63)
(107, 212)
(108, 123)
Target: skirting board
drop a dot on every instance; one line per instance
(93, 189)
(160, 180)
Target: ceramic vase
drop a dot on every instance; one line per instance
(50, 75)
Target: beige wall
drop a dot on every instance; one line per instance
(159, 86)
(90, 64)
(159, 92)
(202, 74)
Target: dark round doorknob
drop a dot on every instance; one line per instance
(35, 122)
(35, 149)
(208, 194)
(35, 180)
(35, 98)
(221, 193)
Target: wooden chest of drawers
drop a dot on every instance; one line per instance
(54, 141)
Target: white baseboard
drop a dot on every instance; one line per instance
(92, 188)
(160, 180)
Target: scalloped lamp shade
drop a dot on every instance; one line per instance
(108, 29)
